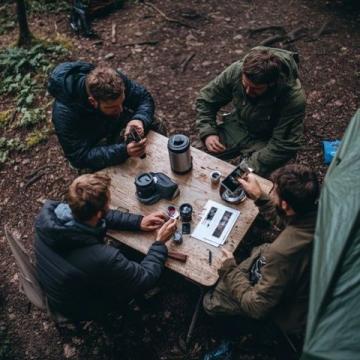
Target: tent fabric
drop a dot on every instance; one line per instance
(333, 327)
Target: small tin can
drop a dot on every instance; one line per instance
(215, 177)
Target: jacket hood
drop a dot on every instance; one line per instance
(290, 70)
(67, 82)
(57, 227)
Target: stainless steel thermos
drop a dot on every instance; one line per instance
(179, 153)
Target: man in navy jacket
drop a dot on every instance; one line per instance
(84, 278)
(92, 106)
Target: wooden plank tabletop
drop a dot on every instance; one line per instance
(196, 189)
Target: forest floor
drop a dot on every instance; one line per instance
(173, 61)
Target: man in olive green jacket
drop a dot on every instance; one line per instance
(273, 283)
(266, 124)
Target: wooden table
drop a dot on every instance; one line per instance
(196, 189)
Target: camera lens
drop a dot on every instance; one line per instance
(145, 185)
(186, 212)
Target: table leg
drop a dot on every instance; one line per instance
(195, 315)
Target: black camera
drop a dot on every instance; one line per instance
(134, 136)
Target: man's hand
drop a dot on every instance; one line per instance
(153, 221)
(135, 149)
(251, 186)
(165, 233)
(226, 255)
(137, 124)
(213, 144)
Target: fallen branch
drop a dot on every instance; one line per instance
(296, 32)
(186, 62)
(301, 36)
(36, 171)
(272, 39)
(34, 179)
(113, 33)
(322, 30)
(264, 28)
(290, 37)
(179, 22)
(149, 42)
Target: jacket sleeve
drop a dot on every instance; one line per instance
(230, 264)
(78, 149)
(117, 220)
(258, 300)
(133, 277)
(286, 138)
(140, 101)
(268, 211)
(215, 95)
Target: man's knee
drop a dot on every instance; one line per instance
(208, 305)
(216, 304)
(265, 169)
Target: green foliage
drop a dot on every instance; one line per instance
(31, 117)
(7, 21)
(7, 145)
(23, 76)
(15, 60)
(12, 144)
(46, 6)
(5, 117)
(36, 137)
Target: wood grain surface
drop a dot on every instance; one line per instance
(196, 189)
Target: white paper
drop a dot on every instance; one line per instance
(216, 223)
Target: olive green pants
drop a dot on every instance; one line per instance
(239, 143)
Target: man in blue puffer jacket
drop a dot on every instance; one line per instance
(93, 104)
(82, 277)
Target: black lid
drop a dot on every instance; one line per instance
(143, 180)
(186, 208)
(178, 143)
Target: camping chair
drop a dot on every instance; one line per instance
(29, 284)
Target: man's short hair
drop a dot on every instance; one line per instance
(298, 186)
(88, 194)
(262, 67)
(104, 84)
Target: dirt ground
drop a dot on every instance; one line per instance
(179, 61)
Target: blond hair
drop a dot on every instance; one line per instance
(88, 194)
(104, 84)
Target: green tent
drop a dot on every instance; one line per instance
(333, 328)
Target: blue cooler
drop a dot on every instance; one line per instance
(330, 148)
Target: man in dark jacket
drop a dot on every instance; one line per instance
(93, 104)
(273, 283)
(266, 123)
(84, 278)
